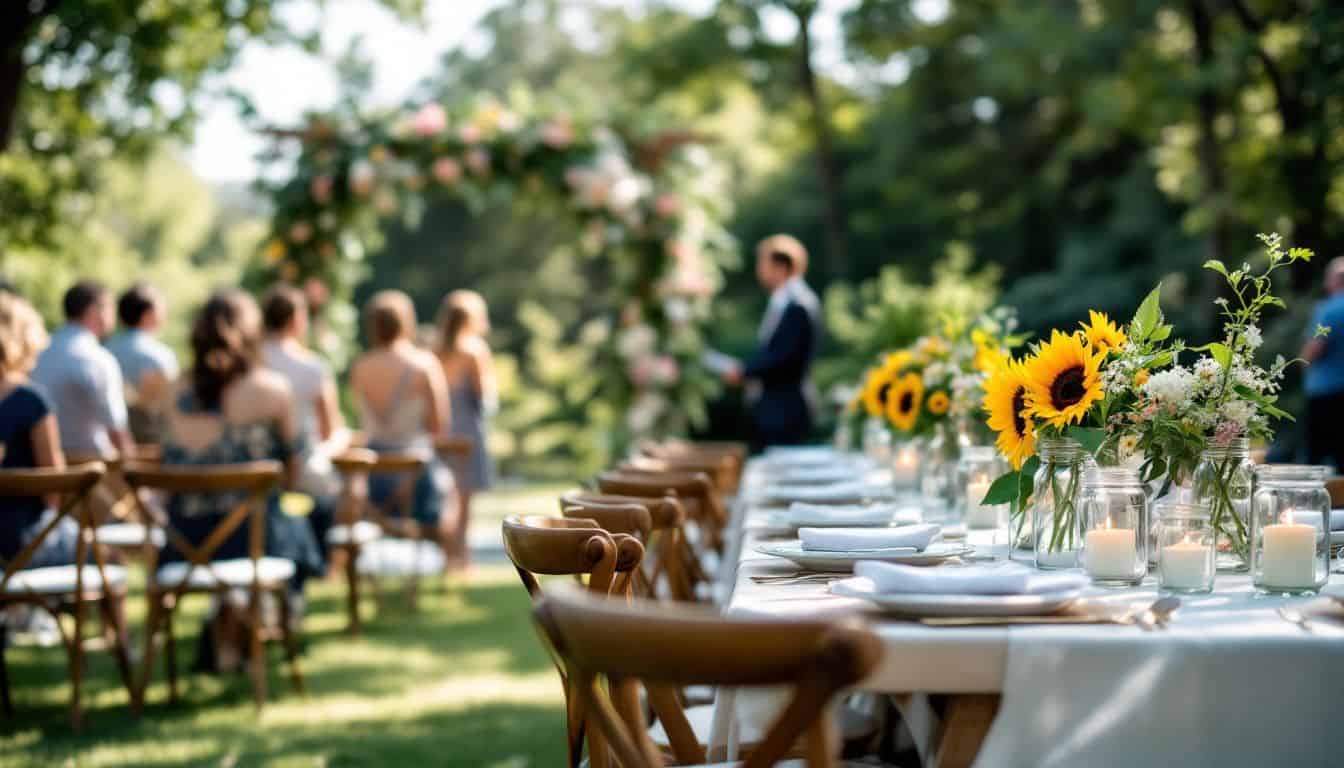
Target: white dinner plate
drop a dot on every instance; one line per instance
(843, 562)
(920, 604)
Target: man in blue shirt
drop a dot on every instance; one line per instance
(148, 366)
(82, 379)
(1324, 381)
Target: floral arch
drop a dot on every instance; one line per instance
(652, 206)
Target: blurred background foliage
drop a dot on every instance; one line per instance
(1055, 156)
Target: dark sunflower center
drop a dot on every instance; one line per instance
(1068, 388)
(1019, 405)
(907, 401)
(882, 393)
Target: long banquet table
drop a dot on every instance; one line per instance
(1228, 682)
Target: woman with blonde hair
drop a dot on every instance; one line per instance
(29, 434)
(403, 404)
(469, 370)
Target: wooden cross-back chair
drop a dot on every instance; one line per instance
(383, 539)
(660, 647)
(124, 529)
(64, 588)
(734, 454)
(695, 491)
(557, 546)
(719, 469)
(200, 573)
(670, 567)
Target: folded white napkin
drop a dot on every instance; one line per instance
(914, 537)
(835, 493)
(824, 473)
(801, 513)
(1337, 519)
(1004, 579)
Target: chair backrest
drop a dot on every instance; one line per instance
(255, 480)
(735, 453)
(72, 484)
(558, 546)
(694, 490)
(668, 558)
(718, 468)
(394, 513)
(1335, 486)
(664, 647)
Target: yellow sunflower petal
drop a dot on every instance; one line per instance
(903, 404)
(1005, 402)
(1064, 380)
(1103, 334)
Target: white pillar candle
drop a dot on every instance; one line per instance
(1288, 554)
(905, 468)
(1185, 565)
(1111, 553)
(980, 515)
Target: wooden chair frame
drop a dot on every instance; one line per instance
(392, 515)
(580, 548)
(668, 558)
(693, 490)
(74, 485)
(661, 647)
(256, 480)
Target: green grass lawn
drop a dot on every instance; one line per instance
(462, 682)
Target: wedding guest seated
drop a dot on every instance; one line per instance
(30, 437)
(148, 366)
(403, 404)
(229, 409)
(82, 379)
(316, 405)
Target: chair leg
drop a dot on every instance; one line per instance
(352, 591)
(257, 662)
(147, 661)
(291, 641)
(112, 607)
(6, 705)
(170, 653)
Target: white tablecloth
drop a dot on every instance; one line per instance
(1228, 683)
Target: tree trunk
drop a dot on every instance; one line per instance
(828, 167)
(16, 20)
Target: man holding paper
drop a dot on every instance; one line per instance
(777, 374)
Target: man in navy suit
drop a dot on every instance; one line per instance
(778, 388)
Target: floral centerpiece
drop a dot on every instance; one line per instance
(1116, 394)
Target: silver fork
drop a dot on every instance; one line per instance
(797, 578)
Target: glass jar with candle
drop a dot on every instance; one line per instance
(979, 466)
(1185, 544)
(1057, 490)
(938, 473)
(876, 441)
(1290, 529)
(905, 465)
(1222, 482)
(1115, 527)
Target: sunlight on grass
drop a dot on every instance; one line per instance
(461, 682)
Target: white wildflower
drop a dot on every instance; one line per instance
(1170, 387)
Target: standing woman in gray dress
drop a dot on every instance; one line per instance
(469, 370)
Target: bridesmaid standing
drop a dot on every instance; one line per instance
(469, 370)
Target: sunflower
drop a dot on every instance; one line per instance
(1063, 380)
(907, 394)
(1103, 334)
(938, 403)
(1006, 402)
(875, 390)
(897, 361)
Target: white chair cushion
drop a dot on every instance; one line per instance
(400, 557)
(127, 535)
(757, 711)
(60, 579)
(362, 532)
(233, 573)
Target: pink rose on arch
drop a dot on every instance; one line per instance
(469, 134)
(642, 371)
(667, 205)
(300, 231)
(361, 178)
(447, 170)
(665, 370)
(478, 161)
(557, 134)
(430, 121)
(320, 189)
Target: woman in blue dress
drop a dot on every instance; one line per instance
(469, 370)
(230, 409)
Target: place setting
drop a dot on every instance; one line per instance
(838, 550)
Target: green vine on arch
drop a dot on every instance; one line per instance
(652, 207)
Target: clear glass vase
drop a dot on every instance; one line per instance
(938, 472)
(1056, 503)
(978, 467)
(876, 441)
(1223, 481)
(1115, 527)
